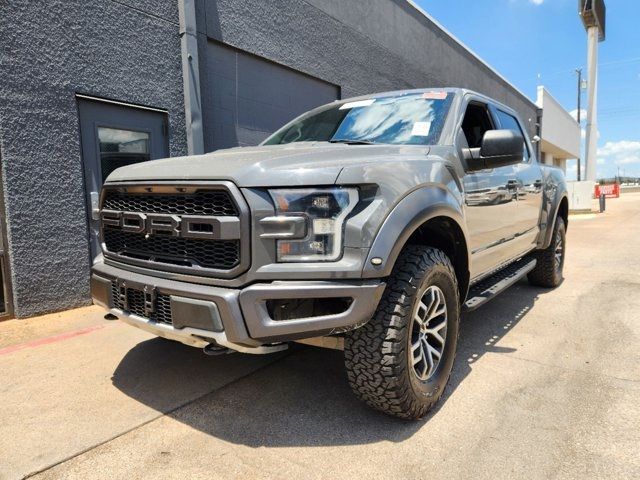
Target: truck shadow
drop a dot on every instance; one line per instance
(297, 399)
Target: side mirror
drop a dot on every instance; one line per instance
(498, 148)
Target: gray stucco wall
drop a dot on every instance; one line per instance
(126, 50)
(363, 46)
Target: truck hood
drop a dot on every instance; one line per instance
(315, 163)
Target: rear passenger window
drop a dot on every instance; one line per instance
(509, 122)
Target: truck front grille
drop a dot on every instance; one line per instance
(134, 303)
(189, 252)
(201, 202)
(134, 227)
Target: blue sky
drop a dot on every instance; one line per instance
(533, 42)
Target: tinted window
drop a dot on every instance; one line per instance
(475, 123)
(509, 122)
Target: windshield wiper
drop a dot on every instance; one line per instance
(352, 141)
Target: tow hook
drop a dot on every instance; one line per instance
(213, 349)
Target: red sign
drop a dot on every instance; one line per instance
(611, 191)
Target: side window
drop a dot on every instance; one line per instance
(509, 122)
(476, 121)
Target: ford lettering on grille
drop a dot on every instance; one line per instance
(186, 226)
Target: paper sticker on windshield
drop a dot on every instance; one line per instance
(434, 95)
(421, 129)
(359, 103)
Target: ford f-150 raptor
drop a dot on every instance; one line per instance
(371, 223)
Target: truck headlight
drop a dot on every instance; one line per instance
(310, 222)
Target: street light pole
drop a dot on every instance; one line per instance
(592, 116)
(593, 14)
(579, 72)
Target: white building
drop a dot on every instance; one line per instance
(559, 132)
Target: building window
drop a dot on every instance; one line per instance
(121, 147)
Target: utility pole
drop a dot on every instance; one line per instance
(579, 72)
(593, 17)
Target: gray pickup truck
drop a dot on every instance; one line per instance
(368, 224)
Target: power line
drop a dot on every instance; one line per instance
(619, 109)
(626, 115)
(571, 71)
(622, 61)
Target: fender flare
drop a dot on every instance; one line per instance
(550, 224)
(405, 218)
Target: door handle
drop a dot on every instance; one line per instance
(95, 205)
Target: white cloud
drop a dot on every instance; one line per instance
(574, 114)
(629, 160)
(624, 152)
(623, 147)
(533, 2)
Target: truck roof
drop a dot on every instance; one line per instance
(389, 93)
(460, 92)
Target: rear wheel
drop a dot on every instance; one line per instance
(550, 261)
(400, 362)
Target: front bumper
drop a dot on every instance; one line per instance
(235, 318)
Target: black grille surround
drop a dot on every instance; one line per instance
(136, 304)
(220, 255)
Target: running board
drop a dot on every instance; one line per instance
(486, 289)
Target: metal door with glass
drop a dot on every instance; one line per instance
(115, 135)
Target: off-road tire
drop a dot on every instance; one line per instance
(379, 370)
(548, 272)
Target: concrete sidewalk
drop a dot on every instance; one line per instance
(546, 384)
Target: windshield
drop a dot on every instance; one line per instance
(410, 119)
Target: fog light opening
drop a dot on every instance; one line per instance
(295, 309)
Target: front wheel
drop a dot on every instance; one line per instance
(400, 362)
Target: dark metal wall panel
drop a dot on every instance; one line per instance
(248, 97)
(363, 46)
